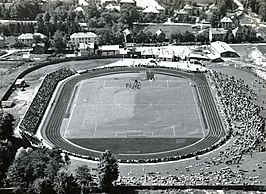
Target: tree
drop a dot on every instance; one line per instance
(108, 170)
(42, 186)
(65, 183)
(7, 153)
(31, 165)
(59, 41)
(6, 125)
(84, 179)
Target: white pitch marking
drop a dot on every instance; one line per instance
(167, 83)
(174, 130)
(95, 129)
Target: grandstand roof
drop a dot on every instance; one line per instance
(222, 47)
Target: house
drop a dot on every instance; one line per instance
(2, 42)
(189, 9)
(107, 50)
(244, 31)
(142, 4)
(79, 9)
(112, 7)
(217, 34)
(28, 38)
(226, 23)
(83, 37)
(223, 49)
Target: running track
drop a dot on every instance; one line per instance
(51, 128)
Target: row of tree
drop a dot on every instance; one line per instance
(7, 144)
(36, 171)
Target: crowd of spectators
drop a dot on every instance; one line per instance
(241, 114)
(40, 102)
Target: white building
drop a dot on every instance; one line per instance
(28, 38)
(83, 37)
(223, 49)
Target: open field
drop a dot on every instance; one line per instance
(105, 109)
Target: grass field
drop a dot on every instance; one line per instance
(161, 116)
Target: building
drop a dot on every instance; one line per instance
(86, 49)
(217, 34)
(20, 83)
(2, 42)
(79, 9)
(189, 9)
(83, 37)
(28, 38)
(107, 50)
(151, 10)
(226, 23)
(112, 7)
(7, 103)
(223, 49)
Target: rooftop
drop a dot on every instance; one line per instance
(151, 10)
(30, 35)
(222, 47)
(83, 34)
(226, 20)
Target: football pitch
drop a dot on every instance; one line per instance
(161, 116)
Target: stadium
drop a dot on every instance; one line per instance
(170, 118)
(175, 126)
